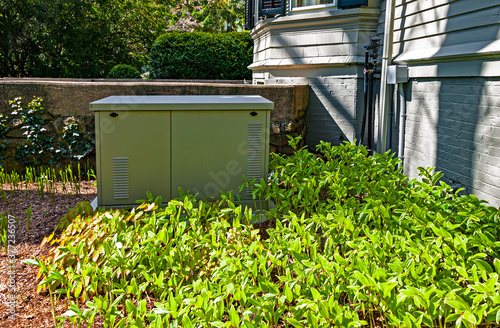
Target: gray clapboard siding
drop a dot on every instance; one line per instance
(440, 28)
(409, 19)
(457, 43)
(467, 21)
(308, 45)
(416, 12)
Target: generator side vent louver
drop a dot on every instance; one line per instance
(121, 178)
(254, 156)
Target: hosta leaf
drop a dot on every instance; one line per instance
(323, 310)
(496, 262)
(248, 324)
(363, 278)
(495, 299)
(131, 308)
(234, 317)
(137, 323)
(133, 285)
(32, 262)
(294, 322)
(482, 288)
(463, 272)
(458, 304)
(115, 302)
(316, 295)
(357, 323)
(408, 292)
(469, 317)
(77, 290)
(70, 313)
(288, 293)
(312, 320)
(453, 317)
(199, 301)
(483, 264)
(162, 236)
(388, 287)
(186, 322)
(308, 263)
(61, 291)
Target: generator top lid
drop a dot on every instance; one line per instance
(184, 102)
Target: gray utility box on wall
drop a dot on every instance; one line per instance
(201, 144)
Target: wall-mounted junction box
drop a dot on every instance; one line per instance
(201, 144)
(397, 74)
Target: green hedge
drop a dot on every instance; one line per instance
(123, 71)
(198, 55)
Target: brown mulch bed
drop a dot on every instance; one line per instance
(31, 308)
(19, 282)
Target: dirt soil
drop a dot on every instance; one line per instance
(20, 304)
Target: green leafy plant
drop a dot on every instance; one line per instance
(40, 145)
(46, 180)
(28, 219)
(74, 144)
(3, 134)
(4, 222)
(352, 243)
(44, 148)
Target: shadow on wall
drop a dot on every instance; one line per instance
(329, 114)
(332, 113)
(462, 107)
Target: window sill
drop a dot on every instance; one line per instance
(313, 8)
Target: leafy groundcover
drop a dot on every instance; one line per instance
(356, 243)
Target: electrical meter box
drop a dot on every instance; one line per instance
(202, 144)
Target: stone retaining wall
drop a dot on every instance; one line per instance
(65, 100)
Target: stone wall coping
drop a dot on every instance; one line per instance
(71, 97)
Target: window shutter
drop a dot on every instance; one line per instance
(249, 14)
(272, 7)
(345, 4)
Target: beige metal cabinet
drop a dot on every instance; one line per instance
(160, 143)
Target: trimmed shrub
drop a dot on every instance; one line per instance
(123, 71)
(198, 55)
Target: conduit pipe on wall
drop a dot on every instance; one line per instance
(402, 123)
(390, 6)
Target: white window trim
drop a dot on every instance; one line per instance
(314, 7)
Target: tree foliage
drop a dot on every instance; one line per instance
(86, 38)
(215, 16)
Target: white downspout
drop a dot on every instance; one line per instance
(390, 6)
(402, 123)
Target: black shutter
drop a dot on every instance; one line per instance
(249, 14)
(344, 4)
(272, 7)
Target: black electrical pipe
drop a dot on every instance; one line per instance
(365, 81)
(371, 55)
